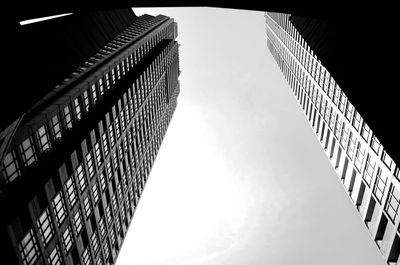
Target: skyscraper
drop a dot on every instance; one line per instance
(75, 160)
(370, 177)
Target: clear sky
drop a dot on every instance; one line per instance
(240, 177)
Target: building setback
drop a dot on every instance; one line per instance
(75, 162)
(370, 177)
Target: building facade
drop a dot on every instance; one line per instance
(73, 167)
(370, 177)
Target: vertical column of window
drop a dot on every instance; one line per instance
(28, 248)
(365, 132)
(380, 185)
(101, 86)
(55, 256)
(55, 124)
(344, 135)
(94, 93)
(122, 117)
(117, 69)
(43, 138)
(375, 145)
(86, 257)
(77, 107)
(27, 151)
(59, 209)
(112, 138)
(90, 165)
(109, 169)
(70, 190)
(45, 226)
(369, 170)
(107, 81)
(81, 177)
(349, 111)
(95, 243)
(98, 153)
(392, 203)
(113, 76)
(102, 181)
(67, 239)
(117, 127)
(77, 220)
(87, 206)
(10, 167)
(86, 101)
(359, 159)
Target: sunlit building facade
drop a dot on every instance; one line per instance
(369, 176)
(74, 166)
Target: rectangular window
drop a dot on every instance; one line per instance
(95, 191)
(365, 131)
(344, 136)
(43, 138)
(55, 256)
(27, 151)
(122, 120)
(369, 170)
(109, 170)
(351, 147)
(115, 160)
(107, 81)
(78, 221)
(87, 206)
(28, 248)
(67, 239)
(357, 121)
(380, 185)
(102, 228)
(113, 76)
(71, 193)
(342, 103)
(108, 214)
(392, 203)
(349, 111)
(106, 250)
(105, 144)
(77, 107)
(86, 259)
(117, 127)
(45, 226)
(112, 139)
(67, 117)
(90, 165)
(95, 242)
(102, 181)
(375, 144)
(99, 156)
(114, 202)
(59, 208)
(81, 176)
(86, 101)
(359, 159)
(10, 168)
(56, 127)
(94, 94)
(101, 87)
(118, 72)
(387, 160)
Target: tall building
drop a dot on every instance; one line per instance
(370, 177)
(75, 161)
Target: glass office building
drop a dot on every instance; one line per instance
(73, 167)
(369, 176)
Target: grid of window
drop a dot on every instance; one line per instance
(67, 239)
(80, 173)
(71, 193)
(56, 127)
(10, 168)
(59, 208)
(27, 151)
(78, 221)
(87, 206)
(392, 203)
(55, 256)
(45, 226)
(28, 248)
(90, 165)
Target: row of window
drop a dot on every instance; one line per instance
(11, 169)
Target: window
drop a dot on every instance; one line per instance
(387, 160)
(86, 259)
(95, 242)
(365, 131)
(105, 144)
(71, 193)
(115, 160)
(344, 135)
(106, 250)
(77, 107)
(95, 191)
(80, 173)
(44, 139)
(45, 226)
(392, 203)
(112, 236)
(67, 239)
(375, 144)
(107, 81)
(114, 202)
(86, 100)
(94, 94)
(99, 156)
(360, 154)
(122, 120)
(28, 248)
(109, 169)
(56, 127)
(67, 117)
(90, 164)
(380, 185)
(59, 208)
(55, 256)
(369, 170)
(87, 206)
(349, 111)
(112, 139)
(351, 146)
(357, 121)
(108, 214)
(27, 151)
(118, 72)
(102, 228)
(120, 153)
(101, 87)
(10, 167)
(342, 103)
(117, 128)
(102, 181)
(113, 76)
(78, 221)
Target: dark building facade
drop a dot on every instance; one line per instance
(369, 175)
(74, 163)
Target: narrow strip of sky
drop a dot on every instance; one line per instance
(35, 20)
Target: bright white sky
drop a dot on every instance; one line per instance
(240, 177)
